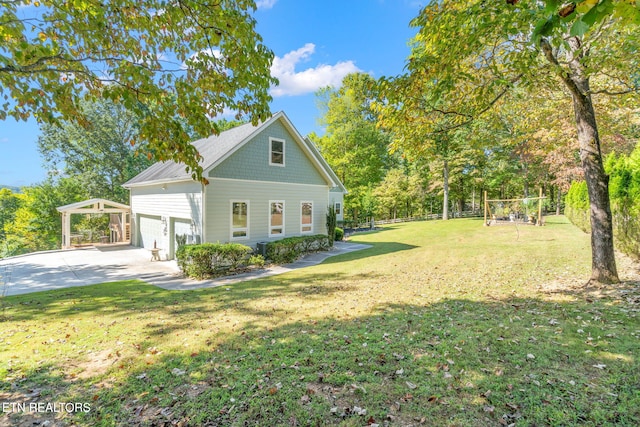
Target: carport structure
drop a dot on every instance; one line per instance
(119, 223)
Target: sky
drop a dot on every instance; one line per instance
(315, 43)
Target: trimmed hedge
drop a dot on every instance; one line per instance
(624, 192)
(212, 259)
(339, 234)
(289, 249)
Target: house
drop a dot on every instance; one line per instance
(266, 182)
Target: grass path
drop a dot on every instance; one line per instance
(439, 323)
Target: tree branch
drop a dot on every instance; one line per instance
(547, 50)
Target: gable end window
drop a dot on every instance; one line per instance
(276, 152)
(276, 219)
(306, 217)
(239, 219)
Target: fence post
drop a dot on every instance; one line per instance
(486, 207)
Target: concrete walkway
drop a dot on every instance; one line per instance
(80, 267)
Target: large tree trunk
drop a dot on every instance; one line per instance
(603, 263)
(445, 185)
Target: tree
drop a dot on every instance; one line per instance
(36, 225)
(473, 53)
(100, 154)
(173, 64)
(405, 112)
(392, 193)
(9, 204)
(352, 145)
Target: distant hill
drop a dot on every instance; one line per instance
(13, 189)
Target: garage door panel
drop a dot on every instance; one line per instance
(150, 231)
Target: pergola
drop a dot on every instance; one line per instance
(94, 206)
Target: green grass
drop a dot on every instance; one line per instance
(439, 323)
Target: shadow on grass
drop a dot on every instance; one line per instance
(452, 362)
(378, 248)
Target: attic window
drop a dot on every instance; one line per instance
(276, 152)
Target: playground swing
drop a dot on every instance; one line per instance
(525, 211)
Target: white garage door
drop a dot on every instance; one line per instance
(149, 230)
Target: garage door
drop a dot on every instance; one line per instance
(149, 230)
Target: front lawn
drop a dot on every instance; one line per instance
(439, 323)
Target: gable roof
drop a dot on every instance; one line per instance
(217, 148)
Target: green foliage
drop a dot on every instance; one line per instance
(9, 204)
(103, 154)
(339, 234)
(93, 226)
(174, 65)
(353, 145)
(257, 261)
(36, 225)
(577, 205)
(212, 259)
(624, 191)
(331, 224)
(181, 240)
(584, 16)
(291, 248)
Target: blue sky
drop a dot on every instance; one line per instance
(316, 44)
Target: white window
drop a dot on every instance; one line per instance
(276, 152)
(338, 208)
(239, 219)
(276, 218)
(306, 217)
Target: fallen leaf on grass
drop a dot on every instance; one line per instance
(411, 385)
(178, 372)
(600, 366)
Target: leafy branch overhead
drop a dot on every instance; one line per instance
(584, 15)
(174, 64)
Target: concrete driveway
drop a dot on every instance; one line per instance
(46, 271)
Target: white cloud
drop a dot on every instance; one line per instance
(265, 4)
(309, 80)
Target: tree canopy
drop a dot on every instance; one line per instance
(352, 145)
(99, 154)
(467, 56)
(174, 64)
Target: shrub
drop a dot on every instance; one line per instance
(339, 234)
(209, 259)
(289, 249)
(331, 224)
(624, 193)
(257, 260)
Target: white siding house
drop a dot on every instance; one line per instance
(266, 182)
